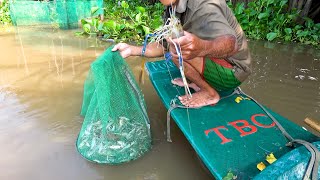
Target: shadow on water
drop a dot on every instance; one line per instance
(41, 85)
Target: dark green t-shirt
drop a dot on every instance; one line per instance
(209, 19)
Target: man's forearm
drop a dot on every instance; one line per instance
(220, 47)
(152, 50)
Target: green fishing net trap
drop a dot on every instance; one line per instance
(116, 127)
(64, 14)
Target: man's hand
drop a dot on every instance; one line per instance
(124, 49)
(190, 45)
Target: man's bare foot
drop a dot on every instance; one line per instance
(179, 82)
(200, 99)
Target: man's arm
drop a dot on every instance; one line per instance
(220, 47)
(191, 46)
(152, 50)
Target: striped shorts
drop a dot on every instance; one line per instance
(219, 74)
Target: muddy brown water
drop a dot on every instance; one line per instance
(41, 84)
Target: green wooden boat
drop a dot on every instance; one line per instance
(234, 135)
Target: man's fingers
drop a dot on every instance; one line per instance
(115, 48)
(174, 56)
(119, 47)
(172, 48)
(182, 41)
(186, 33)
(174, 41)
(123, 54)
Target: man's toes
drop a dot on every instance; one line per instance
(177, 81)
(183, 98)
(173, 81)
(190, 101)
(185, 103)
(196, 103)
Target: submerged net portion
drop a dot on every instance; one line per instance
(116, 127)
(62, 13)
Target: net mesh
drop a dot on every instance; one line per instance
(116, 127)
(62, 13)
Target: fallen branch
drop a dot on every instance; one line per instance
(313, 123)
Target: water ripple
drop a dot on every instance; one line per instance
(11, 110)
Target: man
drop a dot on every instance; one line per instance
(214, 49)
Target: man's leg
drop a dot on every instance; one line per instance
(206, 95)
(179, 82)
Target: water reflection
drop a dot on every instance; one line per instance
(286, 78)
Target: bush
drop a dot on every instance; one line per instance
(124, 21)
(270, 20)
(5, 18)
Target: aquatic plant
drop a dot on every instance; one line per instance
(5, 18)
(124, 21)
(271, 20)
